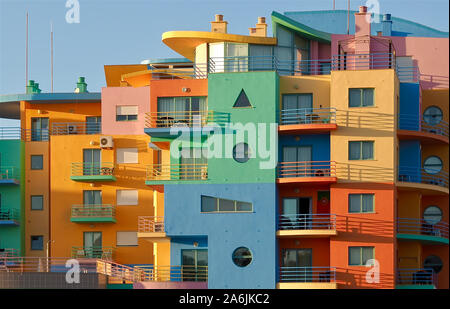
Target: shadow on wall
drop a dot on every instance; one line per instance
(356, 279)
(365, 120)
(380, 231)
(359, 172)
(434, 81)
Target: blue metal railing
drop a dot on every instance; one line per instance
(307, 222)
(422, 227)
(415, 123)
(420, 175)
(308, 116)
(307, 274)
(10, 133)
(416, 276)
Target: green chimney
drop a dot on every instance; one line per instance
(81, 85)
(33, 87)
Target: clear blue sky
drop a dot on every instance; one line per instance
(129, 31)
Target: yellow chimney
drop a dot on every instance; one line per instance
(219, 25)
(260, 29)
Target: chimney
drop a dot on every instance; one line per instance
(260, 29)
(362, 22)
(219, 25)
(387, 25)
(81, 86)
(32, 87)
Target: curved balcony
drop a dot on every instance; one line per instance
(307, 225)
(152, 229)
(307, 120)
(9, 175)
(416, 278)
(9, 216)
(88, 213)
(307, 172)
(413, 127)
(307, 278)
(422, 231)
(414, 178)
(93, 172)
(167, 173)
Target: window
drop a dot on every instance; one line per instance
(297, 108)
(360, 97)
(37, 202)
(127, 155)
(127, 239)
(92, 197)
(242, 256)
(37, 242)
(432, 215)
(360, 203)
(126, 113)
(213, 204)
(37, 162)
(432, 165)
(434, 262)
(358, 256)
(241, 152)
(432, 115)
(360, 150)
(127, 197)
(39, 129)
(93, 125)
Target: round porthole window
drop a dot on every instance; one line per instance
(432, 115)
(432, 215)
(433, 262)
(432, 165)
(242, 256)
(241, 152)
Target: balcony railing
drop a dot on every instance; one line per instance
(197, 71)
(420, 175)
(307, 169)
(105, 253)
(177, 172)
(9, 173)
(353, 62)
(415, 123)
(147, 224)
(173, 273)
(74, 128)
(307, 222)
(184, 119)
(307, 274)
(308, 116)
(8, 252)
(93, 211)
(422, 227)
(416, 276)
(9, 215)
(10, 133)
(93, 169)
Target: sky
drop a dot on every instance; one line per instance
(129, 31)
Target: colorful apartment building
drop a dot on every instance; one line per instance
(315, 158)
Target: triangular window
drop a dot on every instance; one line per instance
(242, 100)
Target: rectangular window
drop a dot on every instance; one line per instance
(37, 162)
(37, 242)
(360, 97)
(37, 202)
(127, 197)
(127, 155)
(361, 203)
(127, 239)
(126, 113)
(358, 256)
(214, 204)
(39, 129)
(361, 150)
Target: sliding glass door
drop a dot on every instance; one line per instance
(297, 265)
(194, 265)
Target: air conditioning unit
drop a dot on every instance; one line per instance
(106, 142)
(71, 129)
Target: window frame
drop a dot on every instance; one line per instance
(31, 162)
(361, 203)
(31, 202)
(360, 254)
(217, 202)
(127, 116)
(361, 151)
(361, 101)
(137, 239)
(31, 242)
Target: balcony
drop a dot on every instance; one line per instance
(167, 173)
(152, 229)
(307, 172)
(414, 178)
(76, 128)
(104, 253)
(10, 133)
(422, 231)
(93, 172)
(415, 278)
(307, 278)
(9, 217)
(307, 120)
(8, 253)
(413, 127)
(9, 175)
(173, 277)
(93, 213)
(307, 225)
(171, 124)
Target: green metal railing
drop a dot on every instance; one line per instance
(93, 210)
(9, 214)
(93, 169)
(105, 253)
